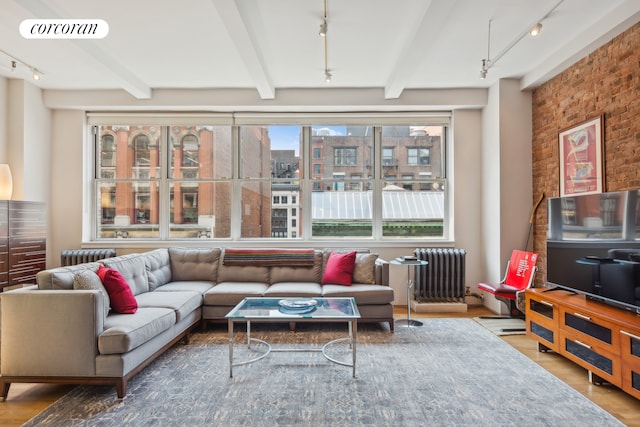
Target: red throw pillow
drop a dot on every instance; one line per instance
(122, 299)
(339, 269)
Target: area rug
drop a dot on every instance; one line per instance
(449, 372)
(503, 326)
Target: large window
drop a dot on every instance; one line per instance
(414, 207)
(340, 207)
(144, 168)
(256, 180)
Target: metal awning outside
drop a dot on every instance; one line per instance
(396, 205)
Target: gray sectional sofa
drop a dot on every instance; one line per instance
(62, 331)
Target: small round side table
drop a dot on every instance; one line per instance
(409, 322)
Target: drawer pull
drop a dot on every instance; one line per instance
(582, 344)
(582, 316)
(635, 337)
(548, 304)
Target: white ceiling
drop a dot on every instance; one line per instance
(269, 45)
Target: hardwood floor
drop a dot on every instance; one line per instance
(27, 400)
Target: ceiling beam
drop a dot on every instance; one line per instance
(434, 18)
(99, 57)
(243, 41)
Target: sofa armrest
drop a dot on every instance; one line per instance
(382, 272)
(50, 332)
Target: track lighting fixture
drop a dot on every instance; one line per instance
(323, 28)
(484, 69)
(536, 30)
(323, 34)
(533, 30)
(485, 62)
(15, 63)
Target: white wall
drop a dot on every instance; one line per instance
(36, 146)
(467, 183)
(67, 141)
(4, 118)
(506, 177)
(28, 141)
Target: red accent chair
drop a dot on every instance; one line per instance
(519, 275)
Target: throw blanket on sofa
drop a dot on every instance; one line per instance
(269, 257)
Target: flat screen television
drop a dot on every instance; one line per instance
(593, 246)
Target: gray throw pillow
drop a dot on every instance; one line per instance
(89, 281)
(364, 271)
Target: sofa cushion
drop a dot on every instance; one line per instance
(363, 294)
(364, 270)
(231, 293)
(242, 273)
(294, 289)
(194, 264)
(120, 295)
(62, 277)
(123, 333)
(191, 285)
(183, 303)
(298, 274)
(339, 269)
(90, 281)
(158, 268)
(133, 269)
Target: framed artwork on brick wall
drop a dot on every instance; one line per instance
(581, 158)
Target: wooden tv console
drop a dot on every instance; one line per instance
(603, 339)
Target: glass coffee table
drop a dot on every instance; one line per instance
(294, 310)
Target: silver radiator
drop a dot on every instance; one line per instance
(80, 256)
(443, 278)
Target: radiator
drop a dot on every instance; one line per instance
(79, 256)
(442, 279)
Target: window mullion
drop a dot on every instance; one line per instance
(165, 187)
(376, 199)
(307, 184)
(95, 206)
(236, 185)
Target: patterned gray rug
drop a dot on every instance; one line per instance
(449, 372)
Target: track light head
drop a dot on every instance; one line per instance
(484, 69)
(14, 65)
(323, 34)
(35, 74)
(323, 28)
(536, 30)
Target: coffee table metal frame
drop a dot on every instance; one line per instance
(268, 311)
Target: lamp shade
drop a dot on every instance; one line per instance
(6, 182)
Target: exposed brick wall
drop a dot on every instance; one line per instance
(605, 82)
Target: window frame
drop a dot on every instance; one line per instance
(375, 182)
